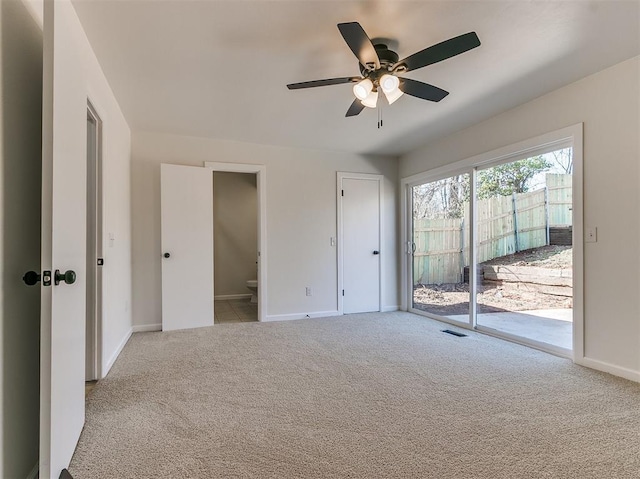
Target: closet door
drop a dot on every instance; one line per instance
(360, 199)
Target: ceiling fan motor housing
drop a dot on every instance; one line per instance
(387, 57)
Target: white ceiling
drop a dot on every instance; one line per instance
(218, 69)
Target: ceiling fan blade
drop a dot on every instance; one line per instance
(355, 108)
(422, 90)
(328, 81)
(359, 43)
(441, 51)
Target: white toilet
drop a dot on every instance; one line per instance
(252, 284)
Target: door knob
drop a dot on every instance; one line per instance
(167, 255)
(376, 252)
(68, 277)
(30, 278)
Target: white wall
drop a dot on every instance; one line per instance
(301, 219)
(235, 232)
(20, 177)
(609, 105)
(116, 220)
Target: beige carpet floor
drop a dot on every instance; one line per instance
(361, 396)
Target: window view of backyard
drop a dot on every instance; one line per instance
(523, 244)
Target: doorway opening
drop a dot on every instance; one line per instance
(235, 244)
(235, 305)
(94, 260)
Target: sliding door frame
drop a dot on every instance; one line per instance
(567, 137)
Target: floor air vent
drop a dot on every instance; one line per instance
(454, 333)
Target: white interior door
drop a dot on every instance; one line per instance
(64, 160)
(360, 199)
(187, 247)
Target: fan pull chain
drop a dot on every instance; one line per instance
(379, 117)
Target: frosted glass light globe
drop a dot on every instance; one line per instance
(389, 83)
(372, 100)
(362, 89)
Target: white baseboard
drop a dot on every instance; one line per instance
(610, 368)
(318, 314)
(116, 353)
(34, 472)
(288, 317)
(388, 309)
(147, 328)
(225, 297)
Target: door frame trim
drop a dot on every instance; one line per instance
(340, 232)
(97, 346)
(261, 183)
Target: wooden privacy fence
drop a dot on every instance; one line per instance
(440, 247)
(560, 199)
(506, 224)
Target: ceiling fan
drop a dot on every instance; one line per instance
(379, 68)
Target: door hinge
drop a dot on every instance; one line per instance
(343, 292)
(100, 261)
(342, 192)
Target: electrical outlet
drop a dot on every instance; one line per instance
(308, 291)
(591, 235)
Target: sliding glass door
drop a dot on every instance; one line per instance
(524, 248)
(511, 223)
(440, 247)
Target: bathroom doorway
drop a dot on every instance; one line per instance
(235, 245)
(239, 236)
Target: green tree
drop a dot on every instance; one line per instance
(508, 178)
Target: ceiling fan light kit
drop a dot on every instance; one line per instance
(362, 89)
(392, 96)
(379, 68)
(389, 83)
(372, 100)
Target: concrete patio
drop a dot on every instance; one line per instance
(551, 326)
